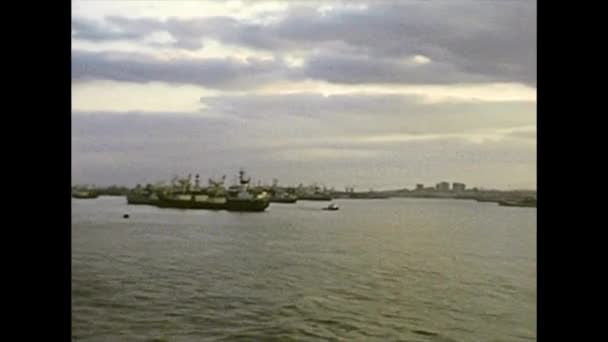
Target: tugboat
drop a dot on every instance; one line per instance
(242, 199)
(187, 198)
(332, 206)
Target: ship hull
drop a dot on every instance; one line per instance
(366, 196)
(517, 204)
(315, 198)
(85, 196)
(180, 204)
(283, 200)
(140, 200)
(169, 202)
(246, 205)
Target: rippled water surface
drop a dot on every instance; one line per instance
(385, 270)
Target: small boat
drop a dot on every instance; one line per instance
(332, 206)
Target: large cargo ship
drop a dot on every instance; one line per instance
(214, 197)
(139, 196)
(283, 198)
(313, 193)
(191, 201)
(281, 195)
(181, 196)
(138, 199)
(242, 199)
(315, 196)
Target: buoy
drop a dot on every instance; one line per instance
(125, 216)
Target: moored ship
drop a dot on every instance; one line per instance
(283, 198)
(139, 196)
(186, 198)
(316, 196)
(242, 199)
(368, 195)
(526, 202)
(280, 195)
(191, 201)
(84, 193)
(313, 193)
(139, 199)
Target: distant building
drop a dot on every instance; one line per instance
(419, 187)
(458, 187)
(443, 186)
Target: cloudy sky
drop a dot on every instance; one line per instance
(371, 94)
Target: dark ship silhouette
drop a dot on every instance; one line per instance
(182, 195)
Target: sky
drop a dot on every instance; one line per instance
(364, 94)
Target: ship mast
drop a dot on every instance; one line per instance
(244, 181)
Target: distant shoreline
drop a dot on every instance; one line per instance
(515, 198)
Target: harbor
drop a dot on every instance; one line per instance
(190, 193)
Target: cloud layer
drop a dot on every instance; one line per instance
(369, 93)
(469, 41)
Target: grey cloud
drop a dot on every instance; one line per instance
(117, 28)
(354, 70)
(467, 41)
(189, 33)
(136, 148)
(369, 114)
(495, 40)
(212, 72)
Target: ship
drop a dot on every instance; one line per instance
(241, 198)
(191, 201)
(181, 196)
(526, 202)
(84, 193)
(138, 199)
(139, 196)
(316, 194)
(368, 195)
(283, 198)
(315, 197)
(279, 195)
